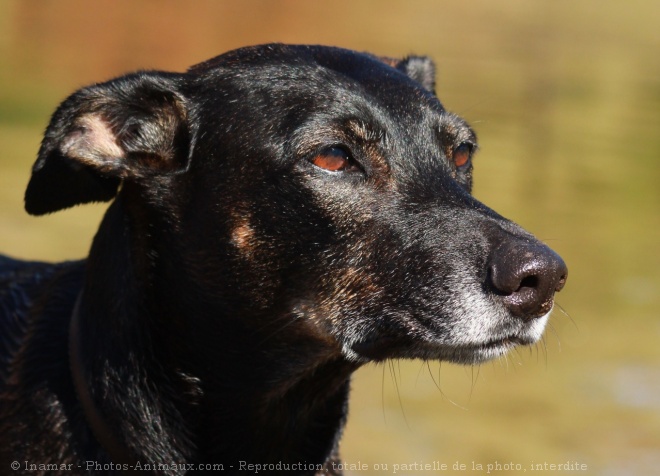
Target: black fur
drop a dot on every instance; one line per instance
(235, 282)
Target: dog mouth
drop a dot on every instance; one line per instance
(505, 342)
(467, 341)
(499, 346)
(382, 348)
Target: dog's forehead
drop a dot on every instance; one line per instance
(377, 76)
(347, 61)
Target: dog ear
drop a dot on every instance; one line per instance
(421, 69)
(417, 68)
(130, 128)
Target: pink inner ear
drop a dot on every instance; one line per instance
(92, 142)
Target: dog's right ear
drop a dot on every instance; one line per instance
(420, 69)
(417, 68)
(130, 128)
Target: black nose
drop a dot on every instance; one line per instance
(526, 275)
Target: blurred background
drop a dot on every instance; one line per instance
(565, 97)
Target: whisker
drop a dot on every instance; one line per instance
(474, 380)
(419, 373)
(444, 395)
(544, 346)
(437, 385)
(398, 393)
(382, 395)
(504, 361)
(520, 357)
(552, 329)
(565, 313)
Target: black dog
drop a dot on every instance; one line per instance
(282, 215)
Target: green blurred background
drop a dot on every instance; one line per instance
(565, 98)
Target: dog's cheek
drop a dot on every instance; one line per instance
(353, 298)
(351, 291)
(278, 249)
(253, 260)
(339, 295)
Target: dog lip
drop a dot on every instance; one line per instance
(509, 341)
(378, 349)
(383, 348)
(430, 345)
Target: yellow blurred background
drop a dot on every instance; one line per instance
(565, 97)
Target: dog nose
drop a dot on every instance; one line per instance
(526, 275)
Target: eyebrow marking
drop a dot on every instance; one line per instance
(454, 130)
(365, 133)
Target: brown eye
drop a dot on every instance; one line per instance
(334, 159)
(461, 155)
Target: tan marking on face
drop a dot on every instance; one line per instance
(360, 130)
(373, 142)
(242, 236)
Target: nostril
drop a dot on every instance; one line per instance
(561, 283)
(506, 279)
(529, 282)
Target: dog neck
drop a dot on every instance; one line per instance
(176, 393)
(104, 434)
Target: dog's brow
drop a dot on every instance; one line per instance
(453, 128)
(365, 133)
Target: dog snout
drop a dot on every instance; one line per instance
(526, 276)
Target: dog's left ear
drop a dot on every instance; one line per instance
(131, 128)
(418, 68)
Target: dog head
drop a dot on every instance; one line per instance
(320, 189)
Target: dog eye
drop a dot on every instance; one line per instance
(333, 159)
(461, 155)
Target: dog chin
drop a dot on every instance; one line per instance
(466, 353)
